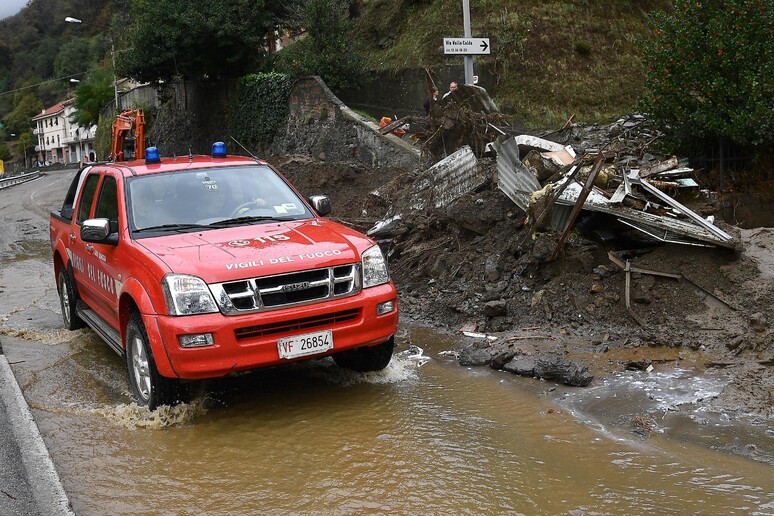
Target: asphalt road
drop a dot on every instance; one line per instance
(29, 483)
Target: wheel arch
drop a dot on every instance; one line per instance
(135, 298)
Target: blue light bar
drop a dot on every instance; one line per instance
(218, 150)
(152, 155)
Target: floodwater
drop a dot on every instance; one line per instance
(423, 436)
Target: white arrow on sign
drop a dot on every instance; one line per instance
(466, 46)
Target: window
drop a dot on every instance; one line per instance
(87, 197)
(107, 204)
(56, 121)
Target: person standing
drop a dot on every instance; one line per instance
(452, 89)
(431, 100)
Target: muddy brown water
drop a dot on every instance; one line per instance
(423, 436)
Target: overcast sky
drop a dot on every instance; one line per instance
(10, 7)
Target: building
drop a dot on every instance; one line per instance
(60, 140)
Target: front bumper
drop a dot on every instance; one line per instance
(249, 341)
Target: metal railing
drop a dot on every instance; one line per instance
(5, 182)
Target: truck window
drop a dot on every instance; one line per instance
(72, 193)
(87, 197)
(107, 203)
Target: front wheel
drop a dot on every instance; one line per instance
(67, 301)
(148, 387)
(365, 359)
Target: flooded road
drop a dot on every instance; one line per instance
(423, 436)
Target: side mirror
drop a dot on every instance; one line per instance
(98, 231)
(321, 204)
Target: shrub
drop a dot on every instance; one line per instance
(710, 71)
(260, 108)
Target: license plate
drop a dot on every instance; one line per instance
(307, 344)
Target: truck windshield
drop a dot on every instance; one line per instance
(196, 199)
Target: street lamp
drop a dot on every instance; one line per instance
(70, 19)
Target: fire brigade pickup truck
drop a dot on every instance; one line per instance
(200, 266)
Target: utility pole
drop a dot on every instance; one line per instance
(468, 59)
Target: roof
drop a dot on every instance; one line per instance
(53, 110)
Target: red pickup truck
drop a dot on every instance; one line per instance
(198, 267)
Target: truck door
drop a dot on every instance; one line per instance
(77, 249)
(102, 259)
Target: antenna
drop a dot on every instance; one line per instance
(245, 148)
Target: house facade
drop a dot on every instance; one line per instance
(59, 140)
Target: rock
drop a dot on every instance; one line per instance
(556, 368)
(497, 308)
(758, 322)
(596, 288)
(499, 361)
(522, 366)
(735, 342)
(491, 269)
(472, 356)
(538, 297)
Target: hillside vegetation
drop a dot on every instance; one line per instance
(550, 59)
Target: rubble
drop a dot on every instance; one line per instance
(465, 253)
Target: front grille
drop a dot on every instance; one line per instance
(297, 325)
(284, 290)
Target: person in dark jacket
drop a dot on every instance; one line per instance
(431, 100)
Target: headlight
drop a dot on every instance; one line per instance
(374, 268)
(187, 295)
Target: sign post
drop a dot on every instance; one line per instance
(467, 46)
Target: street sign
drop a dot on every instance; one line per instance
(466, 46)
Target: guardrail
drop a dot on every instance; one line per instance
(5, 182)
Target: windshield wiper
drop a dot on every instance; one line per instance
(242, 220)
(173, 227)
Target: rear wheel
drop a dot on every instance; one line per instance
(67, 301)
(374, 358)
(148, 387)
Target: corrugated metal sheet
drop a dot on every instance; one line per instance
(448, 180)
(658, 224)
(515, 180)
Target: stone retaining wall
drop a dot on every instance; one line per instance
(321, 126)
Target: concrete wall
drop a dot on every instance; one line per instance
(322, 126)
(404, 93)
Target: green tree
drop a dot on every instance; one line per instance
(73, 58)
(91, 96)
(329, 49)
(710, 70)
(26, 107)
(169, 38)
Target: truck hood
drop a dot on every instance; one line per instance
(258, 250)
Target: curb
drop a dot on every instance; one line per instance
(47, 489)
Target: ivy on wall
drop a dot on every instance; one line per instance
(260, 109)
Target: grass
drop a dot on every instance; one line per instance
(551, 59)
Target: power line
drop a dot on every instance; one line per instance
(48, 81)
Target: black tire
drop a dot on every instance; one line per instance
(363, 360)
(67, 301)
(148, 387)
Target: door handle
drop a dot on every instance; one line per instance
(72, 237)
(89, 248)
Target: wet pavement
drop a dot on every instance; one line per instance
(30, 483)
